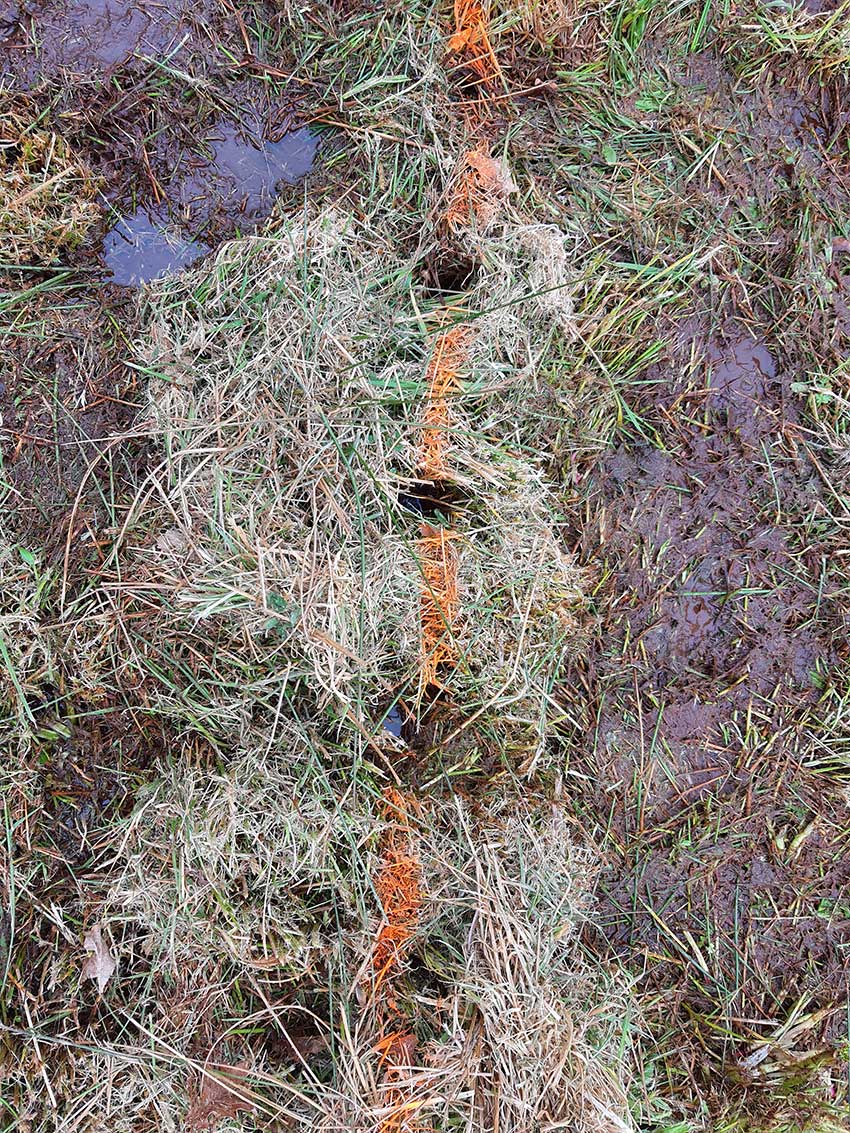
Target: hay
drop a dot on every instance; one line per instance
(271, 551)
(273, 829)
(532, 1052)
(48, 198)
(530, 1034)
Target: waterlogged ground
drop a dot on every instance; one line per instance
(190, 141)
(189, 147)
(706, 761)
(719, 639)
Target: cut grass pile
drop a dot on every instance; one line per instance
(231, 894)
(275, 550)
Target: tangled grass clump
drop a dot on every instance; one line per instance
(48, 197)
(275, 549)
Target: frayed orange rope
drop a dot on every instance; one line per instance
(471, 39)
(397, 1051)
(398, 885)
(479, 192)
(439, 600)
(442, 379)
(398, 888)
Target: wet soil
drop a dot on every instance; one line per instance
(189, 140)
(90, 767)
(728, 873)
(696, 760)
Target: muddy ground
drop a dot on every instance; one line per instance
(728, 869)
(722, 649)
(189, 139)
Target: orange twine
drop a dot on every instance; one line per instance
(480, 190)
(439, 600)
(471, 39)
(398, 885)
(442, 380)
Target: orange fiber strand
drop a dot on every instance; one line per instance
(442, 379)
(472, 40)
(397, 1051)
(398, 888)
(479, 192)
(439, 600)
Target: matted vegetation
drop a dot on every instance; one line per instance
(48, 197)
(430, 712)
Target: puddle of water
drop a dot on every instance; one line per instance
(97, 33)
(393, 721)
(141, 248)
(242, 173)
(742, 373)
(238, 181)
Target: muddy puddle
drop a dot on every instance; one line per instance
(188, 149)
(236, 187)
(142, 247)
(87, 39)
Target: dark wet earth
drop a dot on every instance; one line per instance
(190, 142)
(729, 871)
(152, 94)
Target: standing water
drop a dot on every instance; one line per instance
(239, 180)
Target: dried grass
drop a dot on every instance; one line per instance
(48, 197)
(27, 650)
(531, 1035)
(532, 1052)
(270, 554)
(273, 828)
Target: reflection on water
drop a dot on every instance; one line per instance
(142, 247)
(238, 181)
(243, 172)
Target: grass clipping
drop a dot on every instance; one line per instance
(276, 550)
(528, 1035)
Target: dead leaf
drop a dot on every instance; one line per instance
(101, 964)
(222, 1095)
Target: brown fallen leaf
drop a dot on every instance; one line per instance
(101, 964)
(221, 1096)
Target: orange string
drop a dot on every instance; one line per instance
(471, 40)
